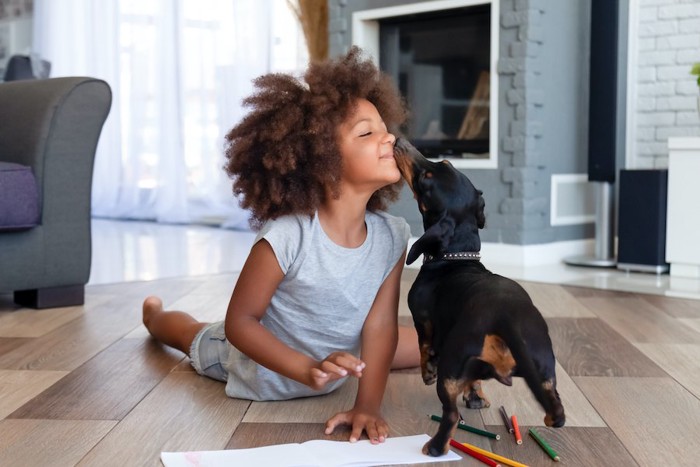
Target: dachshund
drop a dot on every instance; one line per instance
(472, 324)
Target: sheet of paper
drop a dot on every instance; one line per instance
(322, 453)
(280, 454)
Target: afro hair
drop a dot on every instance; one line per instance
(283, 157)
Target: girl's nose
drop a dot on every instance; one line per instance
(391, 139)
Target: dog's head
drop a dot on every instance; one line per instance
(452, 209)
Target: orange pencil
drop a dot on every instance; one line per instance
(516, 429)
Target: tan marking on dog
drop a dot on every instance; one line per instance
(497, 353)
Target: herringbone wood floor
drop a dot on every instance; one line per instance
(86, 386)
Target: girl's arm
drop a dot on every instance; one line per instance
(379, 339)
(257, 283)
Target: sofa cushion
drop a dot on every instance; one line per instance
(19, 197)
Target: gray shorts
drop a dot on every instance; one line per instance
(209, 352)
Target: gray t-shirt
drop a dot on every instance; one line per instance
(321, 304)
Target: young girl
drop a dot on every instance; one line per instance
(317, 299)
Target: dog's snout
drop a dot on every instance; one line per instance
(404, 148)
(401, 146)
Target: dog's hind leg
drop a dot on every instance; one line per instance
(448, 390)
(541, 379)
(555, 417)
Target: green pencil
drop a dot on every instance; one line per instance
(470, 429)
(552, 453)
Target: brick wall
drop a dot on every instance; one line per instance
(541, 69)
(668, 43)
(525, 210)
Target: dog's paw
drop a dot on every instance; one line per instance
(476, 402)
(434, 449)
(557, 418)
(474, 398)
(429, 378)
(554, 422)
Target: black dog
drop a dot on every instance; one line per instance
(472, 324)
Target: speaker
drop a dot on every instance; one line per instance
(602, 113)
(602, 128)
(642, 221)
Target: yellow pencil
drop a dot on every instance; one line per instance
(495, 457)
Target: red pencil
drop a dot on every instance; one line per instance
(516, 429)
(474, 454)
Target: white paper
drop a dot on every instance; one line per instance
(315, 453)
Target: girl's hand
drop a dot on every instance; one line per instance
(335, 366)
(375, 426)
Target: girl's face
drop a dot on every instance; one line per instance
(367, 149)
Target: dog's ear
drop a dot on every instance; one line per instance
(480, 216)
(435, 238)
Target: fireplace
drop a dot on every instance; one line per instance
(442, 57)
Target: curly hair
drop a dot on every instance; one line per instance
(283, 157)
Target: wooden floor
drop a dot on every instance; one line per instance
(86, 386)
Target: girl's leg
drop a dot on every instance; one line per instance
(407, 354)
(173, 328)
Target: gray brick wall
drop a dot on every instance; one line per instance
(525, 209)
(541, 67)
(668, 43)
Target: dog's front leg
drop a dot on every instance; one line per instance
(448, 390)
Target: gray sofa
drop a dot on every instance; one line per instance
(48, 135)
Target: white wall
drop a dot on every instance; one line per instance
(666, 34)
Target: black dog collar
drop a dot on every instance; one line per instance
(458, 256)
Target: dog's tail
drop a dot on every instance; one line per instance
(526, 367)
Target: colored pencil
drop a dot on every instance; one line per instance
(516, 429)
(474, 454)
(463, 426)
(506, 419)
(543, 444)
(496, 457)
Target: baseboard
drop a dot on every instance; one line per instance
(525, 255)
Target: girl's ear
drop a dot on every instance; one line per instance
(436, 238)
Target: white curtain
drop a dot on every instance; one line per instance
(178, 70)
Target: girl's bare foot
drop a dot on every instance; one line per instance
(173, 328)
(151, 306)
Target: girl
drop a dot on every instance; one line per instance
(317, 299)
